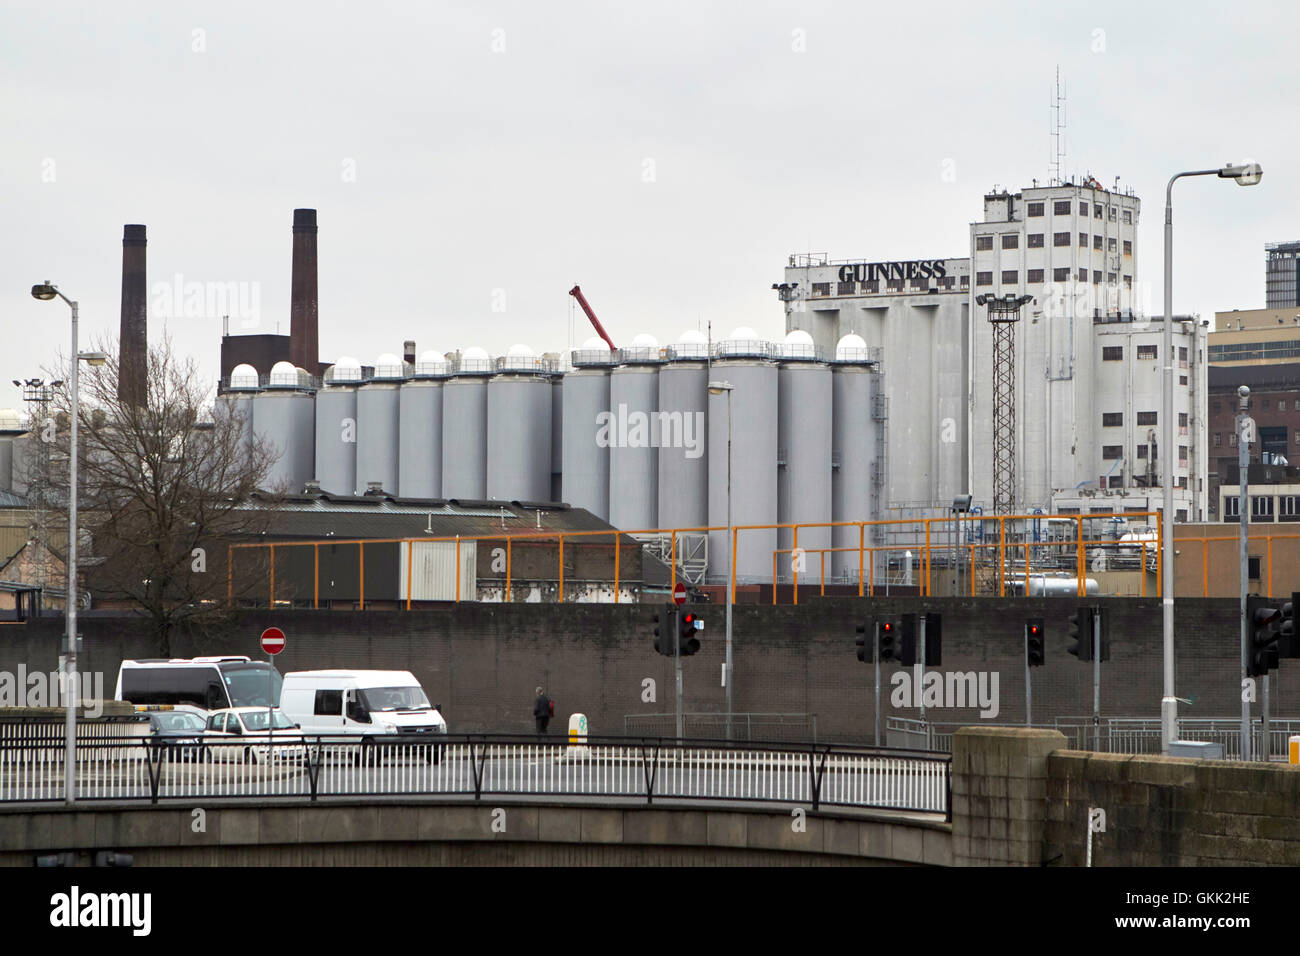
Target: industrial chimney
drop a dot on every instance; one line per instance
(408, 351)
(133, 344)
(304, 337)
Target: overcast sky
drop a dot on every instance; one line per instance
(472, 161)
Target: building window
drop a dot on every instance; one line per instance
(1011, 240)
(1232, 439)
(1110, 244)
(1128, 216)
(1142, 451)
(1096, 211)
(893, 285)
(1182, 423)
(821, 289)
(965, 282)
(1035, 209)
(983, 243)
(871, 285)
(1297, 438)
(1111, 452)
(1287, 506)
(1110, 278)
(1112, 213)
(1128, 282)
(1060, 238)
(1261, 507)
(1266, 404)
(1146, 418)
(1218, 438)
(1112, 353)
(1128, 247)
(1231, 507)
(1182, 456)
(1182, 355)
(1112, 419)
(1117, 481)
(947, 282)
(1010, 276)
(1061, 275)
(846, 288)
(1083, 240)
(920, 284)
(1083, 209)
(1096, 277)
(1061, 207)
(984, 278)
(1096, 243)
(1148, 351)
(1035, 240)
(1214, 408)
(1182, 380)
(1083, 275)
(1035, 275)
(1181, 513)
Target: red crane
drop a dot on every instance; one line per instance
(576, 292)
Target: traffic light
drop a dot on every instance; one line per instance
(907, 644)
(1034, 641)
(887, 638)
(1080, 633)
(1262, 654)
(933, 640)
(1288, 645)
(1101, 615)
(689, 624)
(864, 649)
(665, 631)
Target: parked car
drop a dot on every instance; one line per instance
(227, 729)
(175, 733)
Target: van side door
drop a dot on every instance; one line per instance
(327, 710)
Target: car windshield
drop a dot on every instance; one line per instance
(394, 698)
(255, 720)
(178, 721)
(249, 684)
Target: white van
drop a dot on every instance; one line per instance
(370, 705)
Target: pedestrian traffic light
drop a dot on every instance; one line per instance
(887, 638)
(689, 625)
(864, 649)
(907, 644)
(1034, 642)
(1262, 620)
(1080, 633)
(933, 640)
(665, 630)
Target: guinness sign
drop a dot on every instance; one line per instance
(915, 269)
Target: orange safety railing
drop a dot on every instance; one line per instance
(988, 564)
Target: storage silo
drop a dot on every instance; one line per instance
(633, 459)
(557, 435)
(742, 362)
(238, 398)
(11, 428)
(803, 455)
(336, 427)
(853, 448)
(284, 417)
(585, 433)
(378, 407)
(519, 428)
(419, 458)
(683, 406)
(464, 427)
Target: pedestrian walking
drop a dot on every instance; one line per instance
(543, 710)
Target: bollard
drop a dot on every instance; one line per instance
(577, 733)
(1293, 751)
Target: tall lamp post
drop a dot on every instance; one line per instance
(1247, 174)
(45, 292)
(725, 388)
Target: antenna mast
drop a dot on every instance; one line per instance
(1058, 131)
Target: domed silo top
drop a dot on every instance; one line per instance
(388, 367)
(594, 351)
(644, 350)
(346, 371)
(691, 345)
(852, 350)
(246, 377)
(798, 347)
(432, 364)
(744, 342)
(474, 361)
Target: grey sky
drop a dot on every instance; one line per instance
(526, 170)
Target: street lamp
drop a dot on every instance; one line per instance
(1246, 174)
(725, 388)
(46, 292)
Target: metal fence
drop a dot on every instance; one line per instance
(1118, 735)
(641, 769)
(793, 728)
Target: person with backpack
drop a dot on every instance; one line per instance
(543, 710)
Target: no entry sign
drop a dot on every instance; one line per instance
(273, 640)
(679, 593)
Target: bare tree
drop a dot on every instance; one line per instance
(164, 487)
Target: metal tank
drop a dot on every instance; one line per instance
(284, 416)
(683, 406)
(803, 457)
(853, 448)
(742, 362)
(519, 428)
(378, 407)
(336, 428)
(557, 435)
(237, 400)
(11, 428)
(464, 427)
(419, 458)
(585, 429)
(630, 433)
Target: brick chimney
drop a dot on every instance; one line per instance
(133, 337)
(304, 337)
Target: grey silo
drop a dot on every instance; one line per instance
(464, 428)
(24, 459)
(336, 429)
(284, 414)
(854, 447)
(557, 438)
(633, 460)
(519, 437)
(585, 460)
(754, 408)
(804, 456)
(6, 462)
(683, 462)
(378, 408)
(420, 434)
(237, 400)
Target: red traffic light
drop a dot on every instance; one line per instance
(887, 626)
(689, 619)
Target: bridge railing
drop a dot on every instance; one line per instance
(645, 769)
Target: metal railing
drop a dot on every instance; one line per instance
(642, 769)
(795, 728)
